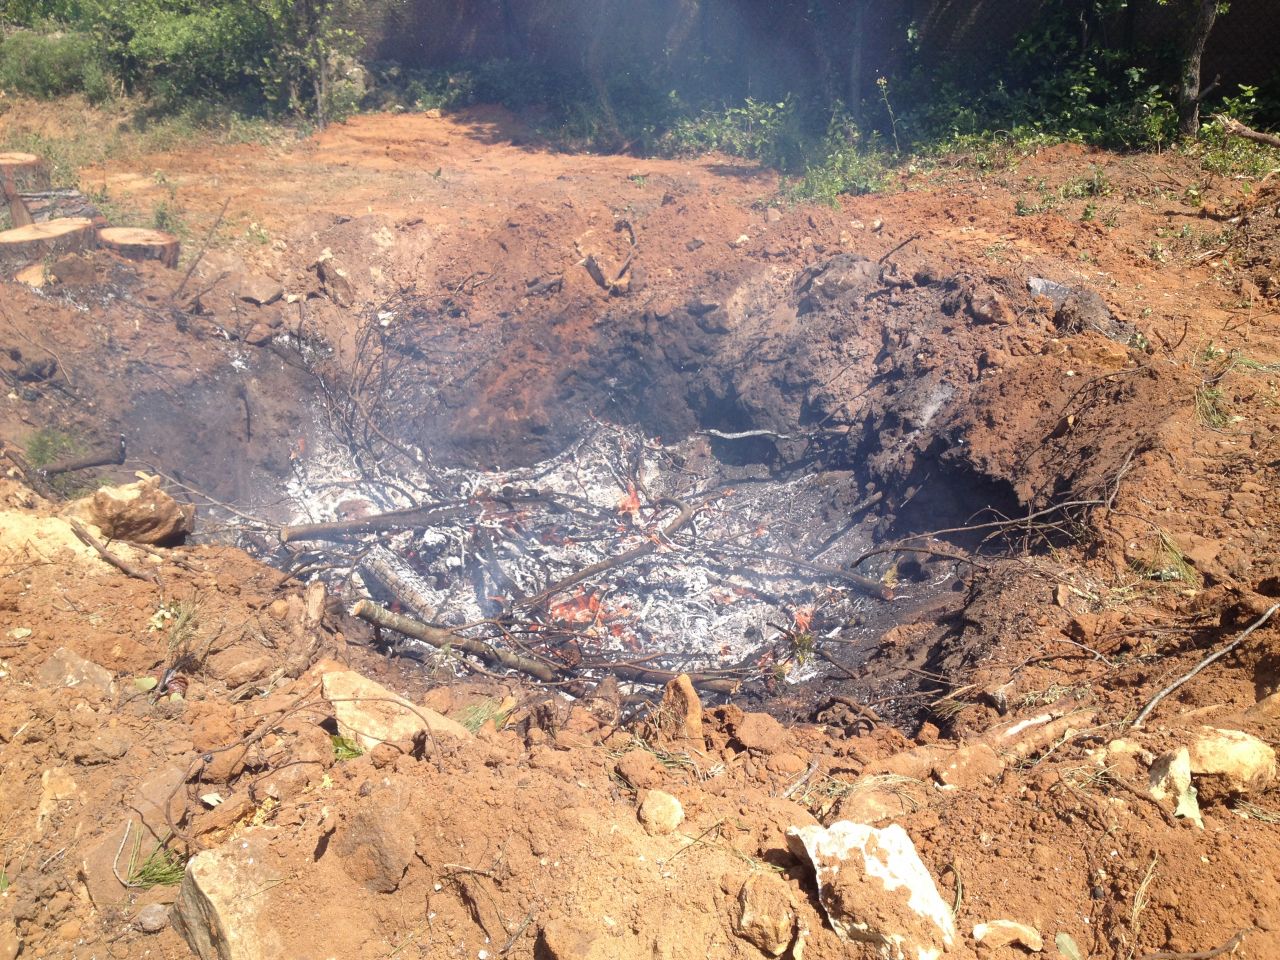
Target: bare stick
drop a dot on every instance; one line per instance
(123, 566)
(440, 638)
(1228, 947)
(33, 478)
(195, 262)
(392, 520)
(620, 560)
(102, 457)
(1146, 711)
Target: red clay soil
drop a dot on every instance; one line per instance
(956, 387)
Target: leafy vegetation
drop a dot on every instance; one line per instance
(344, 748)
(161, 867)
(48, 445)
(1070, 75)
(254, 54)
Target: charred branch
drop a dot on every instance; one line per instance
(112, 456)
(440, 638)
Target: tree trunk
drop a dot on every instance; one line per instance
(137, 243)
(26, 171)
(35, 242)
(1189, 91)
(855, 63)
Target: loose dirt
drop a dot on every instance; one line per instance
(1136, 423)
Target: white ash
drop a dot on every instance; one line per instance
(690, 607)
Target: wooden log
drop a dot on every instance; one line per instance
(1234, 128)
(26, 171)
(138, 243)
(395, 577)
(439, 638)
(34, 242)
(56, 204)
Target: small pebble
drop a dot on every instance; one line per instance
(152, 918)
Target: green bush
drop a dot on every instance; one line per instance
(53, 64)
(772, 133)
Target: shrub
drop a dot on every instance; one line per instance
(53, 64)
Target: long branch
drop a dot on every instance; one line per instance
(391, 520)
(440, 638)
(1234, 128)
(619, 560)
(1217, 655)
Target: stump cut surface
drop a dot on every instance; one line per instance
(138, 243)
(32, 243)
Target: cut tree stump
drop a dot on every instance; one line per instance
(139, 243)
(34, 242)
(25, 171)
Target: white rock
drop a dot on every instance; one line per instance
(660, 812)
(213, 913)
(370, 714)
(874, 888)
(1244, 761)
(1171, 777)
(1000, 933)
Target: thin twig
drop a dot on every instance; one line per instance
(208, 238)
(1228, 947)
(123, 566)
(1146, 711)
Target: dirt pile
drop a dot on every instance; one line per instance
(142, 724)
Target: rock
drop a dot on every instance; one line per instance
(990, 307)
(1239, 761)
(1001, 933)
(1268, 708)
(256, 289)
(102, 746)
(56, 786)
(162, 787)
(882, 799)
(337, 282)
(1051, 290)
(377, 843)
(875, 889)
(1171, 778)
(1083, 310)
(640, 769)
(213, 914)
(569, 940)
(659, 812)
(140, 512)
(369, 714)
(767, 916)
(68, 669)
(152, 918)
(233, 667)
(10, 942)
(845, 273)
(679, 714)
(760, 732)
(96, 871)
(968, 766)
